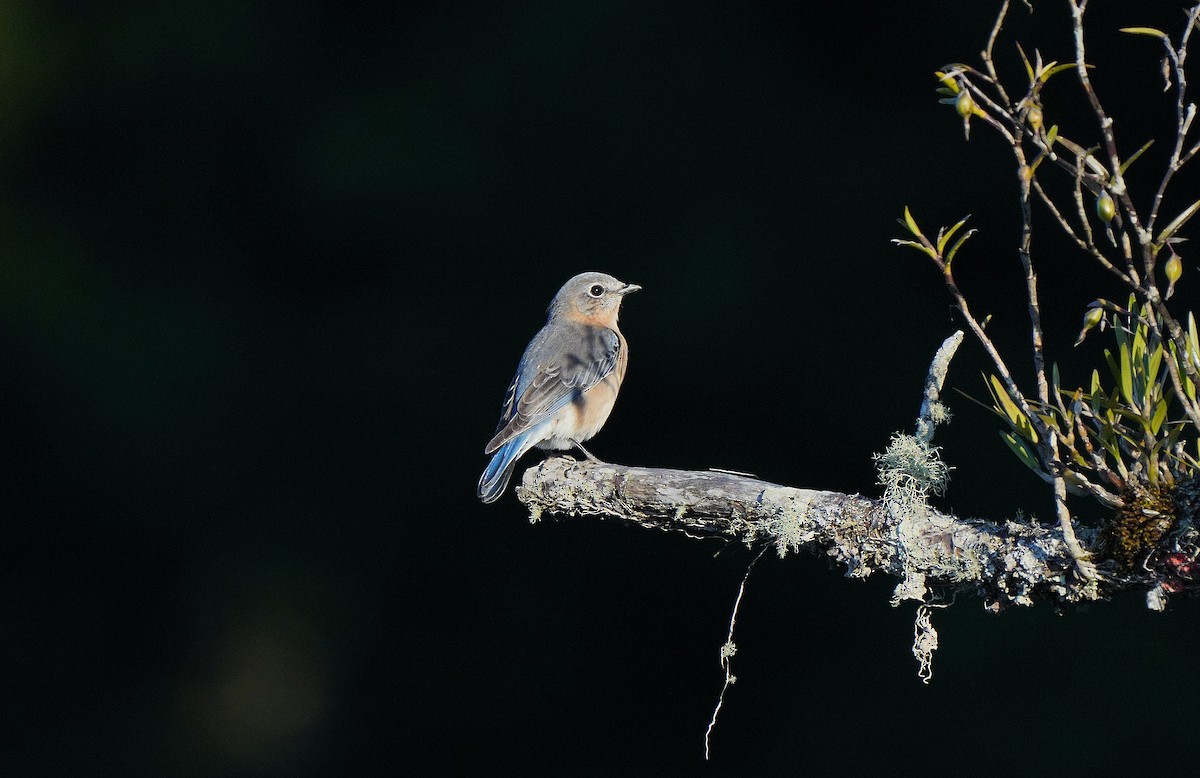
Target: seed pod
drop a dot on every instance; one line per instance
(1106, 207)
(964, 104)
(1173, 269)
(1090, 319)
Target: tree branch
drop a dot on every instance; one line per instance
(1007, 563)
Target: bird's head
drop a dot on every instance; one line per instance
(591, 297)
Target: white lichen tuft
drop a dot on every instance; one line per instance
(909, 470)
(1156, 599)
(939, 414)
(925, 642)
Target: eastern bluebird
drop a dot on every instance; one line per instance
(567, 380)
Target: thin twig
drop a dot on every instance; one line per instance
(1183, 115)
(727, 652)
(1084, 245)
(987, 54)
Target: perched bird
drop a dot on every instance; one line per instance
(567, 380)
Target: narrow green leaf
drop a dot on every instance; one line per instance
(1145, 31)
(1125, 165)
(1160, 415)
(1193, 341)
(1113, 367)
(1052, 136)
(947, 81)
(1050, 420)
(911, 223)
(1177, 222)
(954, 249)
(1052, 70)
(1003, 401)
(1126, 374)
(1021, 449)
(1018, 420)
(918, 246)
(1028, 67)
(1154, 363)
(944, 238)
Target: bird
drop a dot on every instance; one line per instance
(567, 379)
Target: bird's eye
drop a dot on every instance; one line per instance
(596, 290)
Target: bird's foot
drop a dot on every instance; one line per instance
(586, 453)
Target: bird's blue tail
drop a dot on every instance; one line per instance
(499, 470)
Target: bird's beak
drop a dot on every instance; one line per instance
(624, 290)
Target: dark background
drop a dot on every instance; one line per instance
(266, 272)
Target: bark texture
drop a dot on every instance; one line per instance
(932, 554)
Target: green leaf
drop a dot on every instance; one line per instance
(954, 249)
(1160, 415)
(1177, 222)
(1113, 367)
(1154, 363)
(948, 81)
(918, 246)
(1052, 136)
(1193, 341)
(1021, 449)
(1126, 374)
(1125, 165)
(1053, 70)
(1019, 421)
(1145, 31)
(1028, 67)
(944, 238)
(911, 223)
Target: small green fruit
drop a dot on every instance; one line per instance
(964, 104)
(1173, 269)
(1106, 207)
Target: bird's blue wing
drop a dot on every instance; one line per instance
(561, 362)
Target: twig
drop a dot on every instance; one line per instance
(932, 413)
(727, 651)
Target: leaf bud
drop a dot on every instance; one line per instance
(1035, 117)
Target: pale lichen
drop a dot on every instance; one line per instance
(925, 642)
(909, 470)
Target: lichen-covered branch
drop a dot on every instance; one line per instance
(899, 534)
(1005, 562)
